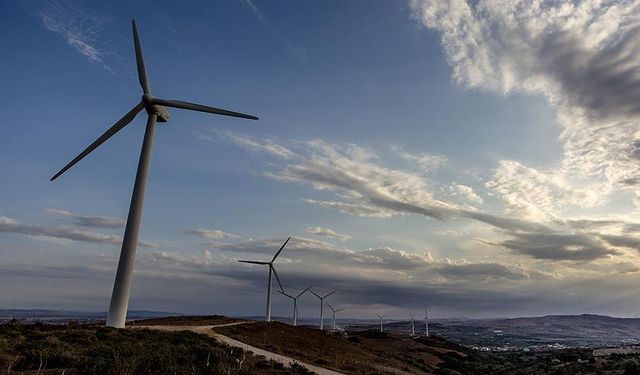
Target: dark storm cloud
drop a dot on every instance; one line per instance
(607, 82)
(549, 246)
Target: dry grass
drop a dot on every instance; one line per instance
(91, 349)
(364, 352)
(209, 320)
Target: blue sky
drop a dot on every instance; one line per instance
(477, 158)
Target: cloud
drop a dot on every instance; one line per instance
(213, 234)
(79, 27)
(329, 233)
(449, 233)
(580, 56)
(425, 162)
(266, 146)
(368, 188)
(355, 209)
(463, 191)
(89, 221)
(553, 246)
(8, 225)
(307, 255)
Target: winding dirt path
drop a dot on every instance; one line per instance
(208, 330)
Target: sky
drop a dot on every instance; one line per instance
(477, 157)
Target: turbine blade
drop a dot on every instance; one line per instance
(341, 309)
(303, 292)
(142, 73)
(276, 275)
(278, 253)
(285, 294)
(331, 307)
(315, 294)
(201, 108)
(124, 121)
(329, 294)
(253, 262)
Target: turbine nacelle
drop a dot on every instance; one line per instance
(155, 109)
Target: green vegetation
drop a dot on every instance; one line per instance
(91, 349)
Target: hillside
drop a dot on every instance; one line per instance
(92, 349)
(361, 352)
(367, 352)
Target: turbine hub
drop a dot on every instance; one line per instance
(147, 99)
(152, 108)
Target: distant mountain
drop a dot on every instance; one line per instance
(63, 316)
(536, 332)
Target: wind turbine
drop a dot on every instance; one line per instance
(272, 270)
(426, 321)
(334, 315)
(295, 303)
(155, 112)
(321, 306)
(381, 317)
(413, 326)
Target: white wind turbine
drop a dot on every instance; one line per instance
(272, 270)
(381, 317)
(413, 326)
(295, 303)
(321, 306)
(156, 112)
(426, 321)
(334, 315)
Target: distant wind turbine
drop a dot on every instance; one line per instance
(272, 270)
(155, 112)
(295, 302)
(334, 315)
(426, 321)
(381, 317)
(321, 306)
(413, 326)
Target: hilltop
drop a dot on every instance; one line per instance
(190, 344)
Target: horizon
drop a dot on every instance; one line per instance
(477, 159)
(283, 318)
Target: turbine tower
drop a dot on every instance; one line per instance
(381, 317)
(272, 270)
(295, 303)
(413, 326)
(155, 113)
(426, 321)
(321, 306)
(334, 315)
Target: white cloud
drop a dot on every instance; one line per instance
(368, 188)
(213, 234)
(89, 221)
(425, 162)
(329, 233)
(463, 191)
(580, 57)
(79, 27)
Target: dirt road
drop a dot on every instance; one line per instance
(208, 330)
